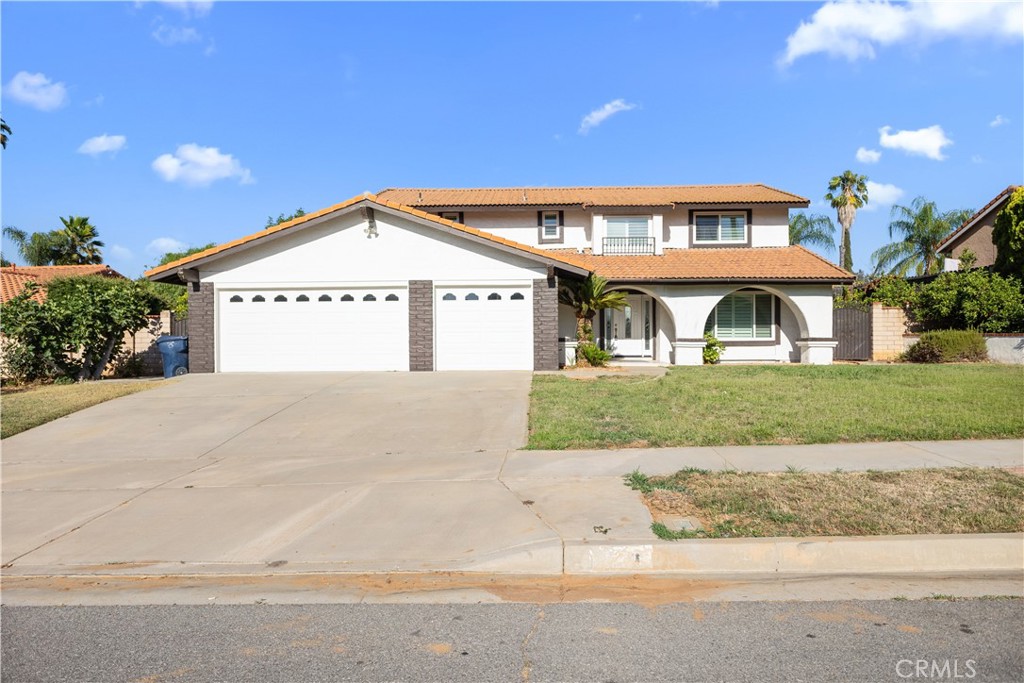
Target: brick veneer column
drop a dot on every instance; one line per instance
(201, 327)
(421, 325)
(545, 324)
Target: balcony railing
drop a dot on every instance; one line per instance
(628, 245)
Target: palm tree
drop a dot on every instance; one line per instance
(5, 131)
(813, 230)
(83, 247)
(38, 249)
(920, 228)
(587, 298)
(847, 193)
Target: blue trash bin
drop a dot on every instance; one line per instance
(174, 351)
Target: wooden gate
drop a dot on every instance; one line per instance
(852, 329)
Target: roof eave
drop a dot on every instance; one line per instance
(733, 281)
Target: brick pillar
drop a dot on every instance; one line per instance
(421, 325)
(201, 327)
(545, 324)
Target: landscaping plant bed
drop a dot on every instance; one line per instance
(718, 405)
(754, 504)
(30, 406)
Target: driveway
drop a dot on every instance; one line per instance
(362, 471)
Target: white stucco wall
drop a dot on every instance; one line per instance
(520, 225)
(338, 252)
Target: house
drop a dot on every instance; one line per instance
(13, 279)
(976, 234)
(467, 279)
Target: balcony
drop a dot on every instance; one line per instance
(632, 246)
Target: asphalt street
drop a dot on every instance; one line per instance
(892, 640)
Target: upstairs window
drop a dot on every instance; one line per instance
(743, 315)
(628, 226)
(453, 216)
(549, 224)
(721, 228)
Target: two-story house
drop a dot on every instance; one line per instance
(461, 279)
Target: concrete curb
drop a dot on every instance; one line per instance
(952, 553)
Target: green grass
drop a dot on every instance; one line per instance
(757, 404)
(28, 407)
(757, 504)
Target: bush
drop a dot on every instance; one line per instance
(712, 349)
(975, 299)
(889, 290)
(593, 355)
(948, 346)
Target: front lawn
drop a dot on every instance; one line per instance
(28, 407)
(753, 504)
(758, 404)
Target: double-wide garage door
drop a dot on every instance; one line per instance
(475, 328)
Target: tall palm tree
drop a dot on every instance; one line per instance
(83, 247)
(5, 131)
(919, 230)
(587, 298)
(38, 249)
(813, 230)
(847, 193)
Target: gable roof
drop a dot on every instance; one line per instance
(169, 270)
(969, 225)
(14, 278)
(742, 264)
(665, 195)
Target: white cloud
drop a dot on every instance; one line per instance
(164, 245)
(868, 156)
(977, 159)
(36, 90)
(103, 143)
(188, 8)
(119, 253)
(881, 194)
(94, 102)
(999, 120)
(199, 166)
(599, 115)
(854, 29)
(168, 35)
(924, 141)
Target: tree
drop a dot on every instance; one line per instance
(82, 246)
(919, 230)
(1008, 236)
(39, 248)
(847, 193)
(587, 298)
(281, 218)
(75, 331)
(812, 230)
(5, 131)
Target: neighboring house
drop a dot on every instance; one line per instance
(399, 281)
(976, 234)
(13, 279)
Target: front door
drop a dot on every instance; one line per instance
(629, 330)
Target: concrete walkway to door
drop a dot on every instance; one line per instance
(352, 472)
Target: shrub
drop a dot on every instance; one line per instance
(1008, 236)
(948, 346)
(890, 290)
(974, 299)
(712, 349)
(592, 354)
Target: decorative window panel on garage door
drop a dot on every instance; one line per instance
(483, 328)
(266, 330)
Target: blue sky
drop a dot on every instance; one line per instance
(173, 123)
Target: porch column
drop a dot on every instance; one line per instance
(688, 351)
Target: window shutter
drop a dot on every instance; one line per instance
(561, 218)
(763, 316)
(733, 229)
(707, 229)
(540, 219)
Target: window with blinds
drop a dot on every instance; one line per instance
(743, 315)
(627, 226)
(720, 228)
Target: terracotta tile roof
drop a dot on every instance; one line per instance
(592, 196)
(970, 222)
(738, 264)
(568, 259)
(14, 278)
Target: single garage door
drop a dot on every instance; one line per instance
(483, 328)
(268, 330)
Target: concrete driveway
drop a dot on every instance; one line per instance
(349, 471)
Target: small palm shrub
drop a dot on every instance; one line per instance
(712, 349)
(948, 346)
(594, 355)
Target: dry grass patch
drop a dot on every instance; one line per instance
(752, 504)
(27, 407)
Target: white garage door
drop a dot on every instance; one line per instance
(268, 330)
(483, 328)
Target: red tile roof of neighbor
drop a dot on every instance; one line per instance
(14, 278)
(966, 226)
(666, 195)
(793, 263)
